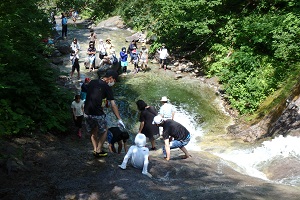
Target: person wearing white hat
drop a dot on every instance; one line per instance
(167, 110)
(175, 136)
(102, 49)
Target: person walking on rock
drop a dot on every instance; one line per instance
(175, 136)
(77, 110)
(163, 54)
(123, 57)
(143, 57)
(97, 91)
(64, 24)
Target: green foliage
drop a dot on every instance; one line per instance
(29, 96)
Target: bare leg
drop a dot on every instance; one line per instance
(187, 155)
(153, 143)
(101, 141)
(94, 138)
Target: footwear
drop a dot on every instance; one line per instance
(101, 154)
(153, 149)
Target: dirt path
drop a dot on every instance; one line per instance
(62, 167)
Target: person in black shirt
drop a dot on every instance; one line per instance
(97, 90)
(116, 135)
(146, 116)
(174, 134)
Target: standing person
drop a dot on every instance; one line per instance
(75, 46)
(108, 45)
(74, 16)
(93, 36)
(163, 54)
(124, 56)
(138, 154)
(84, 88)
(74, 57)
(167, 110)
(130, 48)
(77, 110)
(101, 49)
(64, 24)
(175, 136)
(115, 135)
(146, 117)
(144, 57)
(93, 109)
(91, 55)
(135, 60)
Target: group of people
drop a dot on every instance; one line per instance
(98, 92)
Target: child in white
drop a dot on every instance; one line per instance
(139, 155)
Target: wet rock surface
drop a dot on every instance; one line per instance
(62, 167)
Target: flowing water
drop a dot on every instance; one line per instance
(200, 111)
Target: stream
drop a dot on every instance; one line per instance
(200, 110)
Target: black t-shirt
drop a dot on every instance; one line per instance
(175, 130)
(147, 116)
(97, 90)
(90, 50)
(117, 135)
(84, 87)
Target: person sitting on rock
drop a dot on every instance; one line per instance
(138, 154)
(91, 55)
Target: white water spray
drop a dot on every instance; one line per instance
(250, 160)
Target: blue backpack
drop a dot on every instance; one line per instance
(64, 21)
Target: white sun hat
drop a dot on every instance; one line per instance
(164, 98)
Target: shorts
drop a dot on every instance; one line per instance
(124, 64)
(163, 61)
(75, 66)
(177, 144)
(93, 121)
(143, 60)
(92, 59)
(109, 137)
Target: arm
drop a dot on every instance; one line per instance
(74, 110)
(141, 126)
(125, 147)
(120, 145)
(111, 148)
(167, 148)
(114, 108)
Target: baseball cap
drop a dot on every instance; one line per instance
(157, 119)
(114, 74)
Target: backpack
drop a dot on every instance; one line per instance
(64, 21)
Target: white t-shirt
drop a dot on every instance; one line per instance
(163, 53)
(78, 107)
(166, 111)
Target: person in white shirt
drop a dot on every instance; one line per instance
(78, 110)
(167, 110)
(139, 155)
(163, 54)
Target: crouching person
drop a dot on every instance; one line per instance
(115, 135)
(139, 155)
